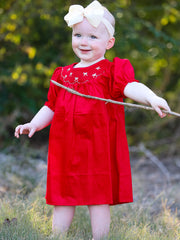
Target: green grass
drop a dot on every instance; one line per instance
(129, 222)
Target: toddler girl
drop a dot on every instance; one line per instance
(88, 160)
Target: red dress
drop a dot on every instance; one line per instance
(88, 159)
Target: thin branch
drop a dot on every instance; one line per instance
(112, 101)
(153, 158)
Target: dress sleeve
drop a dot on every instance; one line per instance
(53, 89)
(122, 73)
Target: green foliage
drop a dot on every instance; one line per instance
(34, 40)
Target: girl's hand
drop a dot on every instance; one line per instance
(27, 128)
(41, 120)
(159, 103)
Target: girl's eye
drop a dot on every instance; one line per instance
(93, 37)
(77, 35)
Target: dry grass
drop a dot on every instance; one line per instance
(128, 221)
(154, 215)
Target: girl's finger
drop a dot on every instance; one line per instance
(31, 133)
(22, 130)
(16, 134)
(158, 110)
(17, 128)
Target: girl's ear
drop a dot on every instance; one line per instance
(110, 43)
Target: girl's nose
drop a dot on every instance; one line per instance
(84, 41)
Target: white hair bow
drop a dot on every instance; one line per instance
(94, 13)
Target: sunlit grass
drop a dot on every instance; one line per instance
(33, 219)
(129, 222)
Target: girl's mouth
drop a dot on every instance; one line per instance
(85, 50)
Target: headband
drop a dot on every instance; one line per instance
(94, 13)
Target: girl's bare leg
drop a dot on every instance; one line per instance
(62, 218)
(100, 221)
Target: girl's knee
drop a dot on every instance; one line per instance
(62, 218)
(100, 221)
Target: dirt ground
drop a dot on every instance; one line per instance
(153, 187)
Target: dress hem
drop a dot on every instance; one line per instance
(87, 204)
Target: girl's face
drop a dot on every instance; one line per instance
(90, 43)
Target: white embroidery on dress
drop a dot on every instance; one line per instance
(76, 79)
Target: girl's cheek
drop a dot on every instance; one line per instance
(73, 42)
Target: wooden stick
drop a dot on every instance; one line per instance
(112, 101)
(153, 158)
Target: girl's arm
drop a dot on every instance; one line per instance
(41, 120)
(141, 93)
